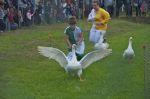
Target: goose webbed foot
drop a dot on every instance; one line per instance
(130, 61)
(81, 79)
(104, 41)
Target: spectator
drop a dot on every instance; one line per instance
(29, 15)
(80, 5)
(143, 8)
(68, 10)
(38, 16)
(109, 6)
(119, 4)
(2, 24)
(102, 4)
(20, 18)
(40, 10)
(137, 4)
(63, 5)
(11, 16)
(128, 6)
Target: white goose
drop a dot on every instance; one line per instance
(72, 65)
(129, 52)
(102, 44)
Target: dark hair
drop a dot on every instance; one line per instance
(96, 1)
(72, 20)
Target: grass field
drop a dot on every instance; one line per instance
(24, 74)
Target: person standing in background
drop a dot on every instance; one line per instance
(2, 24)
(109, 6)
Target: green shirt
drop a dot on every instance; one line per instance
(74, 35)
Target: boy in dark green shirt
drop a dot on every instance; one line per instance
(74, 35)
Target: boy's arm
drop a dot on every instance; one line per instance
(67, 38)
(67, 41)
(80, 38)
(90, 17)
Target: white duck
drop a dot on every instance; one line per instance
(72, 65)
(129, 52)
(102, 44)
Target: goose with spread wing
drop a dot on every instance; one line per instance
(72, 65)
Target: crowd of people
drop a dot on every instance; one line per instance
(81, 8)
(17, 13)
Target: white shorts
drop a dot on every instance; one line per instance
(79, 50)
(95, 35)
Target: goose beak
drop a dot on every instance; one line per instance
(130, 38)
(74, 46)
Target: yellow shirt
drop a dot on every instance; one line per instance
(102, 17)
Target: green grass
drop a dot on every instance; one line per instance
(24, 74)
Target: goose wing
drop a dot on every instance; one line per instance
(54, 53)
(94, 56)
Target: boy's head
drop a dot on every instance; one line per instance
(72, 21)
(95, 4)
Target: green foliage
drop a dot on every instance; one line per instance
(24, 74)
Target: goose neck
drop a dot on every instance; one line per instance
(130, 43)
(74, 55)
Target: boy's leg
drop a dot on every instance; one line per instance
(79, 56)
(80, 50)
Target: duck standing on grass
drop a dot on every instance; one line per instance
(129, 52)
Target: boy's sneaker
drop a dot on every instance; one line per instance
(104, 41)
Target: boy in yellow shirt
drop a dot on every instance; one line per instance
(99, 17)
